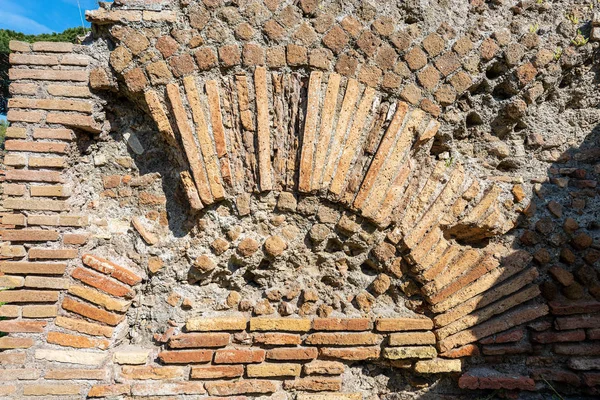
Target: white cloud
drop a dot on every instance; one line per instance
(19, 23)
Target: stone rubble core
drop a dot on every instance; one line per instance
(328, 126)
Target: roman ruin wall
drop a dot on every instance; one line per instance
(308, 200)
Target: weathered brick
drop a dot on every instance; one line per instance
(577, 321)
(101, 282)
(19, 326)
(16, 45)
(339, 324)
(109, 390)
(12, 358)
(398, 353)
(438, 366)
(91, 312)
(83, 326)
(51, 104)
(553, 337)
(28, 296)
(194, 340)
(403, 324)
(52, 254)
(144, 372)
(27, 268)
(239, 356)
(292, 353)
(51, 390)
(24, 116)
(316, 384)
(185, 356)
(109, 268)
(46, 283)
(83, 122)
(53, 47)
(320, 367)
(277, 339)
(32, 59)
(240, 387)
(350, 353)
(12, 374)
(267, 370)
(131, 355)
(216, 324)
(280, 324)
(343, 339)
(81, 342)
(167, 389)
(39, 311)
(411, 338)
(69, 374)
(48, 75)
(15, 343)
(33, 176)
(71, 356)
(99, 298)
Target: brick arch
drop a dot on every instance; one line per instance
(376, 162)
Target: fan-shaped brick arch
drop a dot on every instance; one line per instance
(258, 98)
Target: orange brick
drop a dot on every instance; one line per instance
(68, 91)
(195, 340)
(35, 205)
(28, 296)
(83, 326)
(7, 311)
(277, 339)
(12, 189)
(53, 47)
(24, 116)
(292, 353)
(83, 122)
(12, 358)
(240, 387)
(267, 370)
(101, 282)
(239, 356)
(340, 324)
(15, 343)
(280, 324)
(167, 389)
(13, 132)
(217, 371)
(13, 374)
(109, 390)
(46, 283)
(51, 390)
(29, 235)
(107, 267)
(33, 176)
(343, 339)
(48, 75)
(51, 104)
(68, 374)
(36, 147)
(151, 372)
(314, 384)
(42, 311)
(75, 238)
(185, 356)
(22, 326)
(350, 353)
(91, 312)
(403, 324)
(29, 89)
(52, 254)
(80, 342)
(29, 268)
(53, 133)
(47, 162)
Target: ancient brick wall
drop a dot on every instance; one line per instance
(304, 200)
